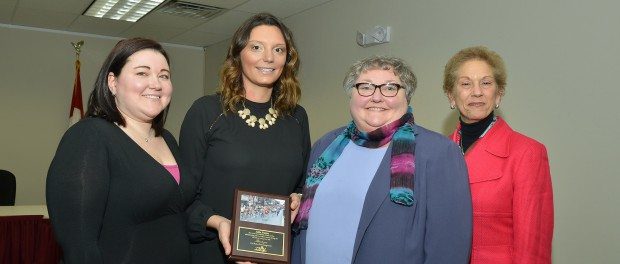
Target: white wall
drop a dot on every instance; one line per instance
(36, 83)
(215, 56)
(562, 59)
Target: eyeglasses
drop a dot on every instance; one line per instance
(386, 89)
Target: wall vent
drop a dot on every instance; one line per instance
(191, 10)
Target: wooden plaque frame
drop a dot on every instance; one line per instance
(260, 228)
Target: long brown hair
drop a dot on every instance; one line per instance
(286, 88)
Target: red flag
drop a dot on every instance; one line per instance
(76, 100)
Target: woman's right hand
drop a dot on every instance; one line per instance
(222, 225)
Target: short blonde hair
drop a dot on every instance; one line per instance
(450, 73)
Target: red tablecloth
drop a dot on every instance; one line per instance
(27, 239)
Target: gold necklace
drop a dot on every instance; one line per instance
(146, 139)
(263, 123)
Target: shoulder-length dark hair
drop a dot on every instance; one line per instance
(286, 87)
(101, 102)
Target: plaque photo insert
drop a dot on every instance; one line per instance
(261, 228)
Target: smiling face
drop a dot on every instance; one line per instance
(475, 92)
(143, 88)
(375, 111)
(263, 58)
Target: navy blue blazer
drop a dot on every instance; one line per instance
(436, 229)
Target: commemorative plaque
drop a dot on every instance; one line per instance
(261, 228)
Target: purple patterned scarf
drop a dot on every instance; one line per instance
(402, 166)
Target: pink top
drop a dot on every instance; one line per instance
(174, 171)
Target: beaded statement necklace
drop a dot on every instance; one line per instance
(459, 135)
(263, 122)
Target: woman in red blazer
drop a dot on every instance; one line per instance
(508, 172)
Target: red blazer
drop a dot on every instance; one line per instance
(512, 197)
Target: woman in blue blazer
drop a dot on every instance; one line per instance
(383, 189)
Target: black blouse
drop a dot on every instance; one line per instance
(224, 153)
(472, 132)
(111, 202)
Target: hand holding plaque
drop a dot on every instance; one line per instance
(260, 229)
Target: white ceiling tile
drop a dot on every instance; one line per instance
(279, 8)
(162, 19)
(99, 26)
(66, 6)
(228, 4)
(43, 18)
(198, 38)
(158, 33)
(66, 15)
(225, 23)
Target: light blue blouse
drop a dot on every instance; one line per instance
(338, 203)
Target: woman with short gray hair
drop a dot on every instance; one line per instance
(383, 189)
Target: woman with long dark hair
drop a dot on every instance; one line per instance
(251, 135)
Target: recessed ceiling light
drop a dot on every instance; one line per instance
(128, 10)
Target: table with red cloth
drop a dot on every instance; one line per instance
(26, 239)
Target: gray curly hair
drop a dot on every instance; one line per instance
(399, 66)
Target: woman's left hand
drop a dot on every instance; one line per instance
(295, 203)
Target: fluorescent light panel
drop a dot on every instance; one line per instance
(128, 10)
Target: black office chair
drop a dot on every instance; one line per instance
(7, 188)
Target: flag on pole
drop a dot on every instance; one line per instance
(76, 111)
